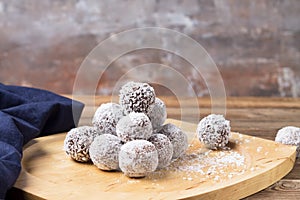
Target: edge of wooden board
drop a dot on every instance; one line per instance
(239, 188)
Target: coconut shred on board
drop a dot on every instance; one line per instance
(215, 165)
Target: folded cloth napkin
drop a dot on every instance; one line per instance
(26, 113)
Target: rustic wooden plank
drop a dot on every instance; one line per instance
(263, 102)
(231, 102)
(260, 122)
(295, 173)
(248, 114)
(283, 189)
(251, 128)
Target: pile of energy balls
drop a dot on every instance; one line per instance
(130, 136)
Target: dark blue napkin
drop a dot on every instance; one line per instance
(26, 113)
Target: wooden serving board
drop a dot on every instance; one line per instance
(249, 165)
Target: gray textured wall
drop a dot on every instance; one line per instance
(255, 43)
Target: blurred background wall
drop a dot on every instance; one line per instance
(255, 43)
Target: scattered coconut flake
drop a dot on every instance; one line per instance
(216, 178)
(132, 181)
(213, 165)
(247, 141)
(258, 149)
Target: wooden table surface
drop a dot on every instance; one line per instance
(260, 117)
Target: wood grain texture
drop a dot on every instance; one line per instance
(283, 189)
(48, 173)
(260, 117)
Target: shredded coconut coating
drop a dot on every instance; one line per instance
(289, 135)
(137, 158)
(158, 114)
(104, 152)
(136, 97)
(106, 117)
(164, 149)
(134, 126)
(214, 131)
(177, 137)
(78, 141)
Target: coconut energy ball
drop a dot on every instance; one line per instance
(164, 149)
(214, 131)
(134, 126)
(136, 97)
(106, 117)
(78, 141)
(289, 135)
(157, 114)
(104, 152)
(177, 137)
(137, 158)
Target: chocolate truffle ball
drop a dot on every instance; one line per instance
(289, 135)
(177, 137)
(136, 97)
(164, 149)
(137, 158)
(214, 131)
(104, 152)
(157, 114)
(78, 141)
(106, 117)
(134, 126)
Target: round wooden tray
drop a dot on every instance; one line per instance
(249, 165)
